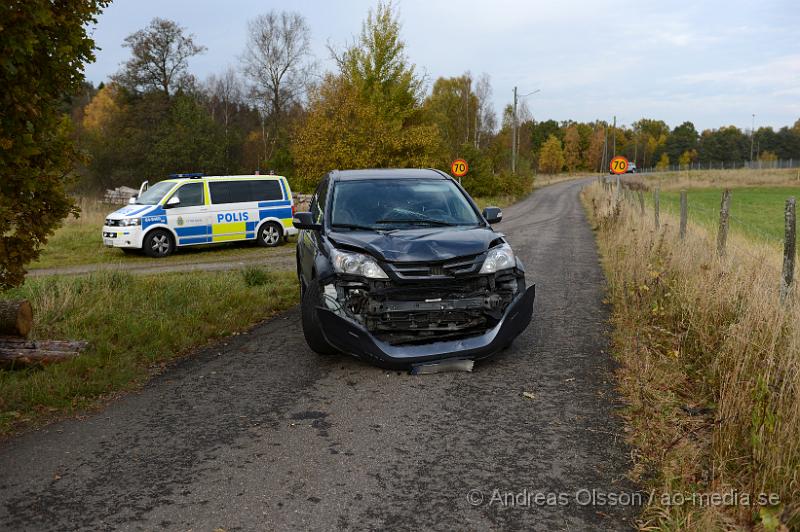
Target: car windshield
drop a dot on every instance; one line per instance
(372, 204)
(155, 193)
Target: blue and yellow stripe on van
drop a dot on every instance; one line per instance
(233, 231)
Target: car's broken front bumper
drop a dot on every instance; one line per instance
(353, 338)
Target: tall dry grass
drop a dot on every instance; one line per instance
(710, 366)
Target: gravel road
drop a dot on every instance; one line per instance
(258, 433)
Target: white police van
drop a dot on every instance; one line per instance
(192, 209)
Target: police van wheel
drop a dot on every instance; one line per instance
(158, 244)
(269, 235)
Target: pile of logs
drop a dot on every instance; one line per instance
(16, 321)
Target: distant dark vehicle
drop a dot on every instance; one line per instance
(400, 267)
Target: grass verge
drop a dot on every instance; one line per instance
(710, 368)
(134, 325)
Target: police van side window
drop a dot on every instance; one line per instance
(266, 190)
(318, 202)
(191, 195)
(244, 191)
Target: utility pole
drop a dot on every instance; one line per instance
(515, 129)
(514, 135)
(614, 135)
(752, 138)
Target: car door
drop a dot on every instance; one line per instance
(232, 209)
(189, 218)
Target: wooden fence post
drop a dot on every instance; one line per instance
(657, 205)
(724, 211)
(641, 202)
(789, 247)
(684, 213)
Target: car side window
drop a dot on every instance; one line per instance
(318, 201)
(191, 195)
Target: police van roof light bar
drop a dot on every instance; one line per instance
(195, 175)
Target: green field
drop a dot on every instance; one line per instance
(756, 212)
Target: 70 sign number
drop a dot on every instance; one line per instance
(619, 165)
(459, 168)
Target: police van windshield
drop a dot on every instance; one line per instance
(399, 204)
(154, 194)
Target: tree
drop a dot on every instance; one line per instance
(453, 107)
(278, 65)
(687, 157)
(682, 139)
(542, 131)
(224, 94)
(485, 119)
(767, 156)
(160, 61)
(43, 46)
(376, 65)
(663, 162)
(594, 155)
(551, 157)
(572, 148)
(187, 141)
(345, 130)
(370, 114)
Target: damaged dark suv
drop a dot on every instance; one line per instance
(400, 267)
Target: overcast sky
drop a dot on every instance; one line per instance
(714, 63)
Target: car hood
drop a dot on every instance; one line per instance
(419, 245)
(132, 210)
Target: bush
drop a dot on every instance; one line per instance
(255, 276)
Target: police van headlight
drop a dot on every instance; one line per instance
(499, 258)
(357, 264)
(127, 222)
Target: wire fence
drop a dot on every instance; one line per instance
(777, 164)
(634, 195)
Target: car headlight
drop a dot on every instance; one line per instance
(357, 264)
(499, 258)
(127, 222)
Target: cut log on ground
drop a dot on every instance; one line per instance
(20, 352)
(16, 317)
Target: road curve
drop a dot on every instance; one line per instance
(258, 433)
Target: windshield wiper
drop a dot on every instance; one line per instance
(415, 221)
(355, 227)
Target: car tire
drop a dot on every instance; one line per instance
(269, 235)
(308, 317)
(158, 244)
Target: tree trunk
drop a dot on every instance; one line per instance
(19, 352)
(16, 317)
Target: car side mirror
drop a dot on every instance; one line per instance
(132, 200)
(174, 201)
(305, 220)
(493, 215)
